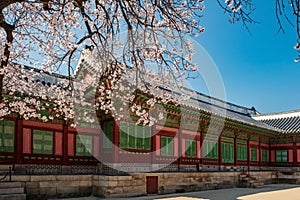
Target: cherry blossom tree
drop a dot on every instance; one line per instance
(50, 35)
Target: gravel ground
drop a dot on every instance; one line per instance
(268, 192)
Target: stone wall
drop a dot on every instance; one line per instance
(55, 186)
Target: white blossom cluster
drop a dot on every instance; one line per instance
(119, 94)
(29, 92)
(50, 35)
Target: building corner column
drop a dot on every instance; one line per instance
(116, 139)
(235, 149)
(19, 141)
(295, 157)
(65, 145)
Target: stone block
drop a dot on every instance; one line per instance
(136, 189)
(32, 185)
(112, 178)
(51, 192)
(101, 177)
(85, 177)
(70, 183)
(113, 183)
(67, 191)
(114, 190)
(85, 183)
(140, 176)
(32, 191)
(103, 183)
(85, 191)
(48, 184)
(98, 191)
(43, 178)
(20, 178)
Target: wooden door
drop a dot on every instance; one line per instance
(152, 184)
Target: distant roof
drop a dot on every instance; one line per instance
(287, 122)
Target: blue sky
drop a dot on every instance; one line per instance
(258, 69)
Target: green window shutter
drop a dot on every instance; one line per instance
(281, 155)
(241, 152)
(167, 146)
(227, 153)
(132, 136)
(284, 156)
(84, 145)
(108, 132)
(215, 150)
(7, 136)
(42, 142)
(124, 140)
(147, 138)
(135, 136)
(264, 155)
(191, 148)
(278, 155)
(211, 149)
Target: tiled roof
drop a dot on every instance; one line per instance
(287, 122)
(223, 109)
(201, 102)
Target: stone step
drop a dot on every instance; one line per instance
(243, 175)
(5, 167)
(17, 190)
(13, 197)
(10, 185)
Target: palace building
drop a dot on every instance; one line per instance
(209, 135)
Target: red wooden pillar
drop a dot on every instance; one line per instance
(235, 150)
(65, 145)
(201, 147)
(153, 144)
(269, 152)
(116, 136)
(179, 148)
(220, 152)
(295, 162)
(259, 153)
(248, 153)
(19, 141)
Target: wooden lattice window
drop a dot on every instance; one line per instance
(241, 152)
(281, 155)
(7, 136)
(42, 142)
(211, 149)
(108, 134)
(227, 153)
(135, 136)
(191, 148)
(167, 146)
(84, 145)
(264, 156)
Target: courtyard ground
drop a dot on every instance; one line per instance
(269, 192)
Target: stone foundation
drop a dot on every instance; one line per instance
(56, 186)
